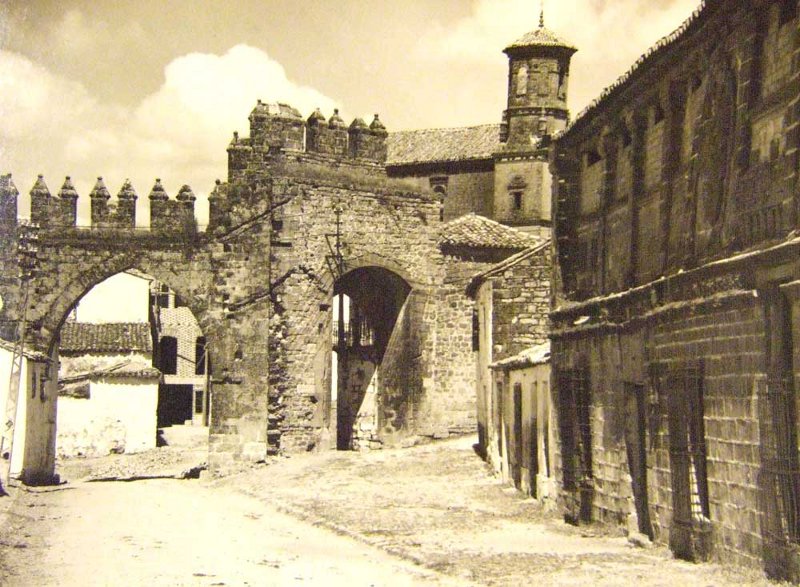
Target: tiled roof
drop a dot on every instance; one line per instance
(535, 355)
(77, 385)
(472, 230)
(443, 144)
(541, 37)
(663, 45)
(119, 337)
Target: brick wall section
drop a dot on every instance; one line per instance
(521, 304)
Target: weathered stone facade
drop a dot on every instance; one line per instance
(512, 303)
(674, 350)
(261, 278)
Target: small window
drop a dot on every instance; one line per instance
(168, 355)
(476, 331)
(440, 191)
(199, 396)
(522, 80)
(516, 198)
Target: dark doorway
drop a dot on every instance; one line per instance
(375, 345)
(687, 456)
(779, 477)
(576, 438)
(533, 444)
(174, 405)
(635, 442)
(516, 466)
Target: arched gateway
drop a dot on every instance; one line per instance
(261, 279)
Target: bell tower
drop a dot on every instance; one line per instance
(538, 75)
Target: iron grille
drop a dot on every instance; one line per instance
(779, 477)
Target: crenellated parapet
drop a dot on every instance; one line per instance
(170, 215)
(49, 210)
(59, 211)
(279, 128)
(277, 125)
(327, 137)
(8, 204)
(368, 142)
(120, 213)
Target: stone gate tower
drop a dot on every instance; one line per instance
(538, 71)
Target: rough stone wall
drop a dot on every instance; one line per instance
(469, 186)
(521, 304)
(726, 337)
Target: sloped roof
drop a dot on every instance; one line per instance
(118, 337)
(136, 368)
(476, 231)
(540, 37)
(443, 144)
(692, 23)
(536, 246)
(535, 355)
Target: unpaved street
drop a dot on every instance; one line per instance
(175, 532)
(428, 515)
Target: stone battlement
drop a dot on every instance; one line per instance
(60, 210)
(281, 127)
(275, 129)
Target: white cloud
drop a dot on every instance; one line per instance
(610, 36)
(179, 133)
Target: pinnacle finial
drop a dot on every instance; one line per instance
(541, 15)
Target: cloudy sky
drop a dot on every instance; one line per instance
(145, 88)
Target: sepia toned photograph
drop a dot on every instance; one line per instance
(399, 293)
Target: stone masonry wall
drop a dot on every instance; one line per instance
(723, 336)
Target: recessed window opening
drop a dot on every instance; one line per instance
(516, 200)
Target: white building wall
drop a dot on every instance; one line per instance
(118, 416)
(19, 430)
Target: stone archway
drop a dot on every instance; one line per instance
(375, 356)
(115, 397)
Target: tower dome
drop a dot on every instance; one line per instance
(538, 38)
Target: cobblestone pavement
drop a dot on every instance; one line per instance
(438, 506)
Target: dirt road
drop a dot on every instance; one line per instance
(175, 532)
(428, 515)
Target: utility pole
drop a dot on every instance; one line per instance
(335, 262)
(27, 250)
